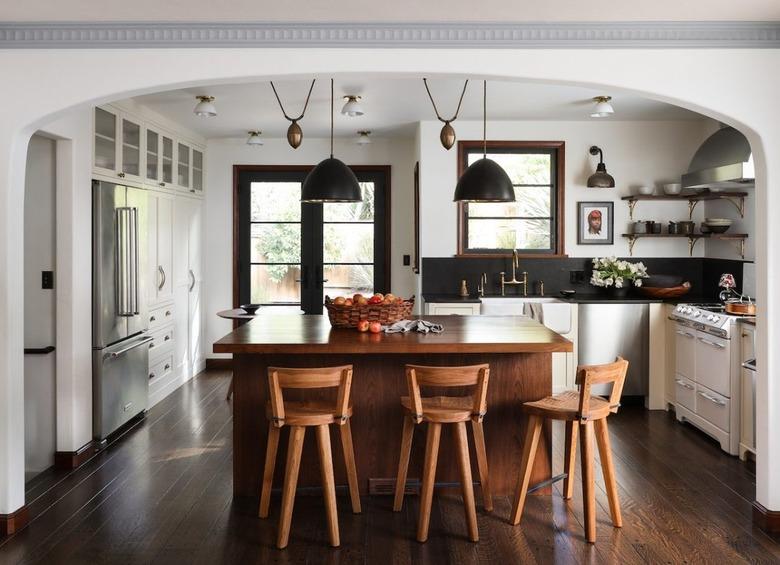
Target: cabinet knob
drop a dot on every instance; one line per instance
(167, 338)
(167, 312)
(151, 375)
(167, 366)
(162, 184)
(121, 175)
(192, 190)
(152, 319)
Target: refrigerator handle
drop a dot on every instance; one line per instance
(122, 296)
(136, 262)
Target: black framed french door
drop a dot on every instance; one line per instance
(290, 254)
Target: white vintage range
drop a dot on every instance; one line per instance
(707, 371)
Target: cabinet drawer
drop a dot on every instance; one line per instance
(162, 343)
(713, 407)
(685, 392)
(161, 368)
(160, 316)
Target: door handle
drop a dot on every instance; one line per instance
(162, 277)
(192, 278)
(712, 399)
(304, 278)
(116, 354)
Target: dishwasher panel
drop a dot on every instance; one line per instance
(610, 330)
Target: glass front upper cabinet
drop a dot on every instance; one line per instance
(152, 155)
(131, 148)
(183, 161)
(167, 160)
(105, 141)
(197, 170)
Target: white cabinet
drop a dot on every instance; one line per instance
(747, 428)
(159, 157)
(160, 237)
(189, 168)
(119, 145)
(188, 356)
(457, 308)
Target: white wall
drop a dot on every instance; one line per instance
(222, 154)
(39, 306)
(635, 153)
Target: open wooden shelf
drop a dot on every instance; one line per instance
(692, 239)
(735, 197)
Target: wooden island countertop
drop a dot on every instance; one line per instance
(518, 349)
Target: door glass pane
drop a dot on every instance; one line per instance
(184, 165)
(352, 211)
(152, 154)
(522, 168)
(276, 243)
(346, 280)
(167, 159)
(275, 201)
(348, 243)
(105, 139)
(509, 234)
(131, 148)
(273, 284)
(531, 201)
(197, 170)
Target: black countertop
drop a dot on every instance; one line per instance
(452, 298)
(579, 298)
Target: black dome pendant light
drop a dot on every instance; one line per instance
(484, 180)
(331, 180)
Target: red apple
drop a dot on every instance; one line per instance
(389, 297)
(375, 299)
(339, 300)
(362, 326)
(379, 295)
(348, 302)
(375, 327)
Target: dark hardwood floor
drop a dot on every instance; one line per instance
(162, 494)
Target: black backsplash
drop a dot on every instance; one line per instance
(442, 275)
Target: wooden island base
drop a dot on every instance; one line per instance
(521, 373)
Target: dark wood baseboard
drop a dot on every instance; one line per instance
(767, 520)
(12, 523)
(220, 364)
(69, 460)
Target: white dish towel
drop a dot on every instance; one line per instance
(534, 311)
(420, 326)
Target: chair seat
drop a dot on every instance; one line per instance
(443, 409)
(308, 413)
(565, 406)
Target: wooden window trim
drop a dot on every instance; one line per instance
(560, 167)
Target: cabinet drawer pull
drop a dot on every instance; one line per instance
(684, 384)
(712, 399)
(152, 319)
(162, 184)
(686, 334)
(167, 366)
(120, 175)
(151, 345)
(167, 338)
(151, 376)
(167, 313)
(712, 343)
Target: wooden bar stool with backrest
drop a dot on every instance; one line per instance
(299, 415)
(438, 410)
(581, 412)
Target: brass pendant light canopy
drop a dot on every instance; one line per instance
(447, 134)
(484, 180)
(600, 179)
(331, 180)
(294, 132)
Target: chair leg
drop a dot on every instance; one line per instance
(294, 449)
(464, 464)
(605, 454)
(588, 484)
(526, 465)
(570, 455)
(349, 462)
(328, 483)
(268, 470)
(429, 476)
(403, 463)
(482, 463)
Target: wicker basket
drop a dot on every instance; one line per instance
(670, 292)
(341, 316)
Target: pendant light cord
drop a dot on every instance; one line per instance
(484, 119)
(455, 117)
(306, 105)
(331, 118)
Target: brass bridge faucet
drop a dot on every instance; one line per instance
(523, 281)
(482, 284)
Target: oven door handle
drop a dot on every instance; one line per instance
(684, 384)
(712, 343)
(712, 399)
(686, 334)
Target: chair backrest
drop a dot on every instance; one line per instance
(280, 378)
(470, 375)
(588, 375)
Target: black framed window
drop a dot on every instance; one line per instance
(291, 254)
(533, 225)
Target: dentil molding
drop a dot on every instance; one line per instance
(543, 35)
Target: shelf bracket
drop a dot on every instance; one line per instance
(691, 244)
(739, 204)
(631, 206)
(691, 207)
(631, 242)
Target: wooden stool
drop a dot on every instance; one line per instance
(586, 411)
(298, 416)
(440, 410)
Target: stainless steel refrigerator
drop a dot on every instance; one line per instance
(120, 351)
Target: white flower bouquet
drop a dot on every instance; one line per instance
(613, 272)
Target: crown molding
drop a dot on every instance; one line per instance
(541, 35)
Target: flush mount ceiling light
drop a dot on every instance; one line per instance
(294, 132)
(447, 134)
(205, 107)
(600, 179)
(254, 138)
(331, 180)
(484, 180)
(352, 108)
(603, 108)
(362, 138)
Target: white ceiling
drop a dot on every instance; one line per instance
(399, 10)
(393, 105)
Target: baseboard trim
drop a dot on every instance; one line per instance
(767, 520)
(12, 523)
(69, 460)
(219, 364)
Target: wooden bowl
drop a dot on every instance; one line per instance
(741, 308)
(665, 292)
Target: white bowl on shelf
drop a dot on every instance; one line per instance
(672, 188)
(644, 190)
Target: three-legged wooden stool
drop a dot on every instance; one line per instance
(581, 412)
(299, 415)
(438, 410)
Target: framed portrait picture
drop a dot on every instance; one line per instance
(595, 223)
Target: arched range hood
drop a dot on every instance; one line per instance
(723, 161)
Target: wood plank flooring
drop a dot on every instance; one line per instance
(163, 494)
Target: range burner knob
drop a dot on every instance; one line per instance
(696, 314)
(710, 317)
(716, 318)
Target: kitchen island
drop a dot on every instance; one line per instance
(518, 349)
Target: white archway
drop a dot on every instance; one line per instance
(681, 77)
